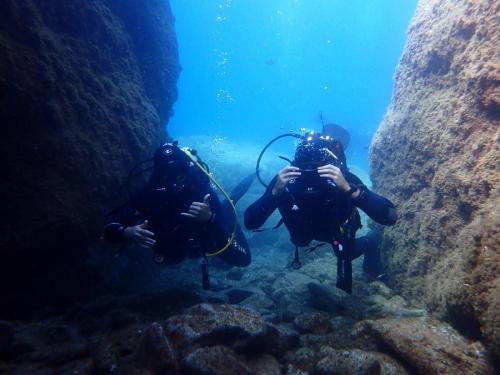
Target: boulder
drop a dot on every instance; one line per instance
(436, 156)
(429, 346)
(357, 362)
(99, 80)
(317, 323)
(231, 325)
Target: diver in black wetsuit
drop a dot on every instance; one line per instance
(317, 198)
(178, 214)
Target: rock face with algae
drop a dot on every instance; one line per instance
(86, 89)
(436, 155)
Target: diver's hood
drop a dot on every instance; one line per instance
(337, 132)
(311, 153)
(315, 150)
(169, 153)
(172, 167)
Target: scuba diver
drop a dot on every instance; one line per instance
(178, 214)
(318, 198)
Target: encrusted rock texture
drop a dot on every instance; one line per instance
(436, 155)
(286, 326)
(86, 89)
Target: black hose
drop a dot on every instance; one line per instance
(264, 150)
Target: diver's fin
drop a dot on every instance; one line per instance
(242, 188)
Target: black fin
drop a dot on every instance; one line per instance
(242, 188)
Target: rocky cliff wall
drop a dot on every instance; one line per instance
(437, 155)
(86, 89)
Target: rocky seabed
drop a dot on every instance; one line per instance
(263, 320)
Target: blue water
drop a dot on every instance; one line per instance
(253, 69)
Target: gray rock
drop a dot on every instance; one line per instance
(231, 325)
(303, 359)
(317, 323)
(260, 303)
(289, 336)
(155, 351)
(327, 299)
(286, 338)
(215, 360)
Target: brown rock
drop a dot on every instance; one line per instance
(437, 156)
(216, 360)
(429, 346)
(357, 362)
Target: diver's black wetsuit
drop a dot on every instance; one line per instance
(319, 215)
(178, 237)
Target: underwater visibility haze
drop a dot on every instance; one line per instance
(137, 237)
(252, 70)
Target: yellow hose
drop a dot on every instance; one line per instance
(187, 151)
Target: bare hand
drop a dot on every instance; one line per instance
(199, 211)
(334, 174)
(140, 235)
(286, 174)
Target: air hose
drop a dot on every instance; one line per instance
(257, 172)
(193, 158)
